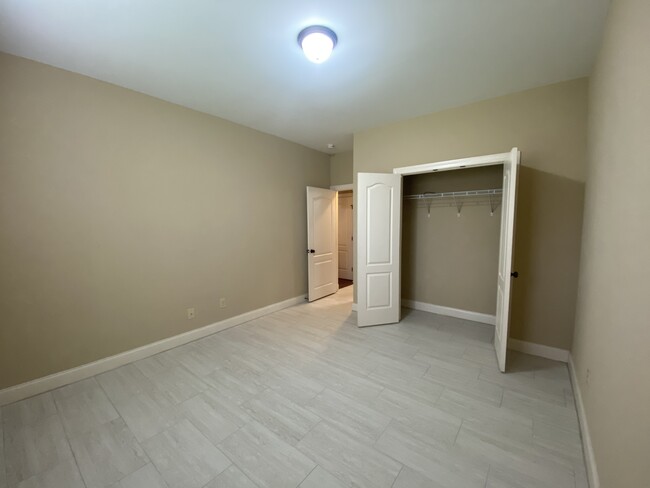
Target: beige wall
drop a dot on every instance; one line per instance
(118, 211)
(341, 168)
(467, 276)
(612, 336)
(548, 124)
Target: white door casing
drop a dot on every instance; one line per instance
(345, 235)
(379, 221)
(322, 243)
(506, 255)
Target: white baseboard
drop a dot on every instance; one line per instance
(548, 352)
(56, 380)
(354, 307)
(587, 447)
(451, 312)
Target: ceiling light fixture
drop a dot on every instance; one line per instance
(317, 42)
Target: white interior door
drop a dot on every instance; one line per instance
(379, 222)
(506, 253)
(322, 246)
(345, 235)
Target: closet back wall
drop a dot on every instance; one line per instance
(118, 211)
(449, 260)
(549, 126)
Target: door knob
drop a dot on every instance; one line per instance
(515, 274)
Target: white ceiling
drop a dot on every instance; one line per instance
(239, 59)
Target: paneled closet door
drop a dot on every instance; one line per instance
(379, 214)
(506, 255)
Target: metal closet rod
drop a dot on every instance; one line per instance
(454, 194)
(458, 199)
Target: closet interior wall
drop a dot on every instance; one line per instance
(451, 260)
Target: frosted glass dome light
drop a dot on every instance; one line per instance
(317, 42)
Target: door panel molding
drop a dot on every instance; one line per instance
(379, 213)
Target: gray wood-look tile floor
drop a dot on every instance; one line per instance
(304, 398)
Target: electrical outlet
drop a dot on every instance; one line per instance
(190, 313)
(222, 302)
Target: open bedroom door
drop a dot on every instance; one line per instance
(379, 214)
(322, 243)
(506, 254)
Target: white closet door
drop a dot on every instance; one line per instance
(379, 214)
(322, 252)
(506, 254)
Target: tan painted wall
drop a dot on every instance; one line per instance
(341, 168)
(548, 124)
(612, 335)
(467, 276)
(118, 211)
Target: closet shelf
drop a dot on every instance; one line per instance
(454, 194)
(458, 199)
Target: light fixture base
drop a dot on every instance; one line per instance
(317, 42)
(317, 29)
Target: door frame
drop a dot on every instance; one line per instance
(466, 163)
(338, 223)
(346, 187)
(473, 162)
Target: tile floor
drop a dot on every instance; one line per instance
(304, 398)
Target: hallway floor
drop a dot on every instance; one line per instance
(302, 397)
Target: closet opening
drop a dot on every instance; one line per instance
(451, 223)
(459, 274)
